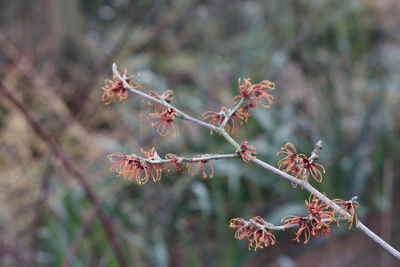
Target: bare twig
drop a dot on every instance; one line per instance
(56, 151)
(232, 111)
(268, 167)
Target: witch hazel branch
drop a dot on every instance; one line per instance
(320, 211)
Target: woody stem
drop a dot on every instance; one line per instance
(261, 163)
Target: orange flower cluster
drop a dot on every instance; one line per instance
(319, 218)
(141, 169)
(246, 151)
(259, 92)
(217, 118)
(350, 208)
(196, 166)
(115, 88)
(136, 169)
(256, 230)
(299, 165)
(251, 94)
(167, 121)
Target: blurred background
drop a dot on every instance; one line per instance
(337, 69)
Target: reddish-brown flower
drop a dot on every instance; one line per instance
(319, 210)
(130, 167)
(256, 230)
(310, 167)
(244, 112)
(246, 151)
(261, 238)
(137, 169)
(320, 228)
(291, 160)
(217, 118)
(259, 91)
(244, 228)
(349, 207)
(246, 89)
(154, 169)
(303, 227)
(167, 121)
(115, 89)
(299, 165)
(175, 159)
(195, 166)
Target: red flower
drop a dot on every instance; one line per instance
(167, 121)
(115, 88)
(200, 165)
(261, 238)
(299, 165)
(246, 89)
(349, 207)
(154, 169)
(244, 229)
(215, 118)
(135, 168)
(309, 167)
(303, 229)
(319, 210)
(244, 112)
(291, 160)
(256, 230)
(130, 167)
(259, 91)
(320, 228)
(246, 151)
(175, 159)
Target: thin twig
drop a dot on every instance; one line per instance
(266, 166)
(56, 151)
(231, 112)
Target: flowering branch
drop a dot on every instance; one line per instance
(297, 166)
(161, 102)
(185, 159)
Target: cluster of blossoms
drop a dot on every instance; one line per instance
(136, 168)
(141, 169)
(299, 165)
(250, 96)
(151, 166)
(320, 214)
(115, 90)
(319, 218)
(255, 230)
(317, 222)
(246, 151)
